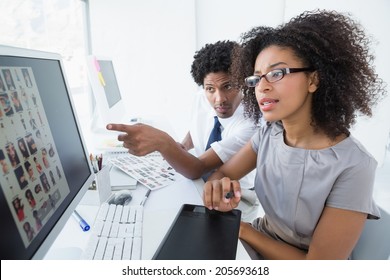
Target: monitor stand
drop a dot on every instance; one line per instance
(106, 140)
(97, 125)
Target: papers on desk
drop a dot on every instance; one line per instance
(121, 181)
(151, 170)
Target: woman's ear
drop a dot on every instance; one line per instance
(314, 82)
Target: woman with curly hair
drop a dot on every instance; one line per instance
(308, 78)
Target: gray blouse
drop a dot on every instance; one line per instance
(294, 185)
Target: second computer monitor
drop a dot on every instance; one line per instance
(110, 106)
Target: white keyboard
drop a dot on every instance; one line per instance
(116, 234)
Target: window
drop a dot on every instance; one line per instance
(54, 26)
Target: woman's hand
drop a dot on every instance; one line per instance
(222, 195)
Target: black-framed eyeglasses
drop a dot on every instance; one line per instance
(273, 76)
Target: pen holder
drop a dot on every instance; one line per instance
(103, 183)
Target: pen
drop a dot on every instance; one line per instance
(100, 162)
(229, 195)
(83, 224)
(92, 163)
(146, 197)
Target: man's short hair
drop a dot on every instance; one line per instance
(212, 58)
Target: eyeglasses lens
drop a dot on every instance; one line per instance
(252, 81)
(274, 76)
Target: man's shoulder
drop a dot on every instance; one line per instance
(241, 122)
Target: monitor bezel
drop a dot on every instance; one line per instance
(59, 225)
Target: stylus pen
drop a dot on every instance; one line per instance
(83, 224)
(146, 197)
(229, 195)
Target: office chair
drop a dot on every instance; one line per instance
(374, 243)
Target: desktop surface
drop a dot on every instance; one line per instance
(160, 211)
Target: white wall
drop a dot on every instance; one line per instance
(228, 19)
(153, 43)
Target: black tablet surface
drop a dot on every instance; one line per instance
(200, 234)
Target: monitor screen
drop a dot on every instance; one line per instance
(109, 103)
(111, 88)
(44, 164)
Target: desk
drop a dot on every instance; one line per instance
(159, 212)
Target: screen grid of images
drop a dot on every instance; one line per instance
(32, 178)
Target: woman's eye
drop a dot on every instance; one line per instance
(276, 74)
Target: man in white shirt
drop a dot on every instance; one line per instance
(235, 132)
(220, 99)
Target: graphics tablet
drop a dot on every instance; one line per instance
(200, 234)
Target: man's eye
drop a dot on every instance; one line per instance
(210, 89)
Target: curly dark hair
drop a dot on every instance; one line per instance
(337, 48)
(212, 58)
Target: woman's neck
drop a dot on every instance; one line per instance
(303, 135)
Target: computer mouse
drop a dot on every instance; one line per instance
(122, 197)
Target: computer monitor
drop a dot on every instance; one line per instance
(109, 103)
(44, 166)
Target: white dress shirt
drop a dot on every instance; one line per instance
(236, 132)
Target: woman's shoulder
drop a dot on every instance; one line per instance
(266, 131)
(270, 129)
(349, 155)
(351, 145)
(353, 149)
